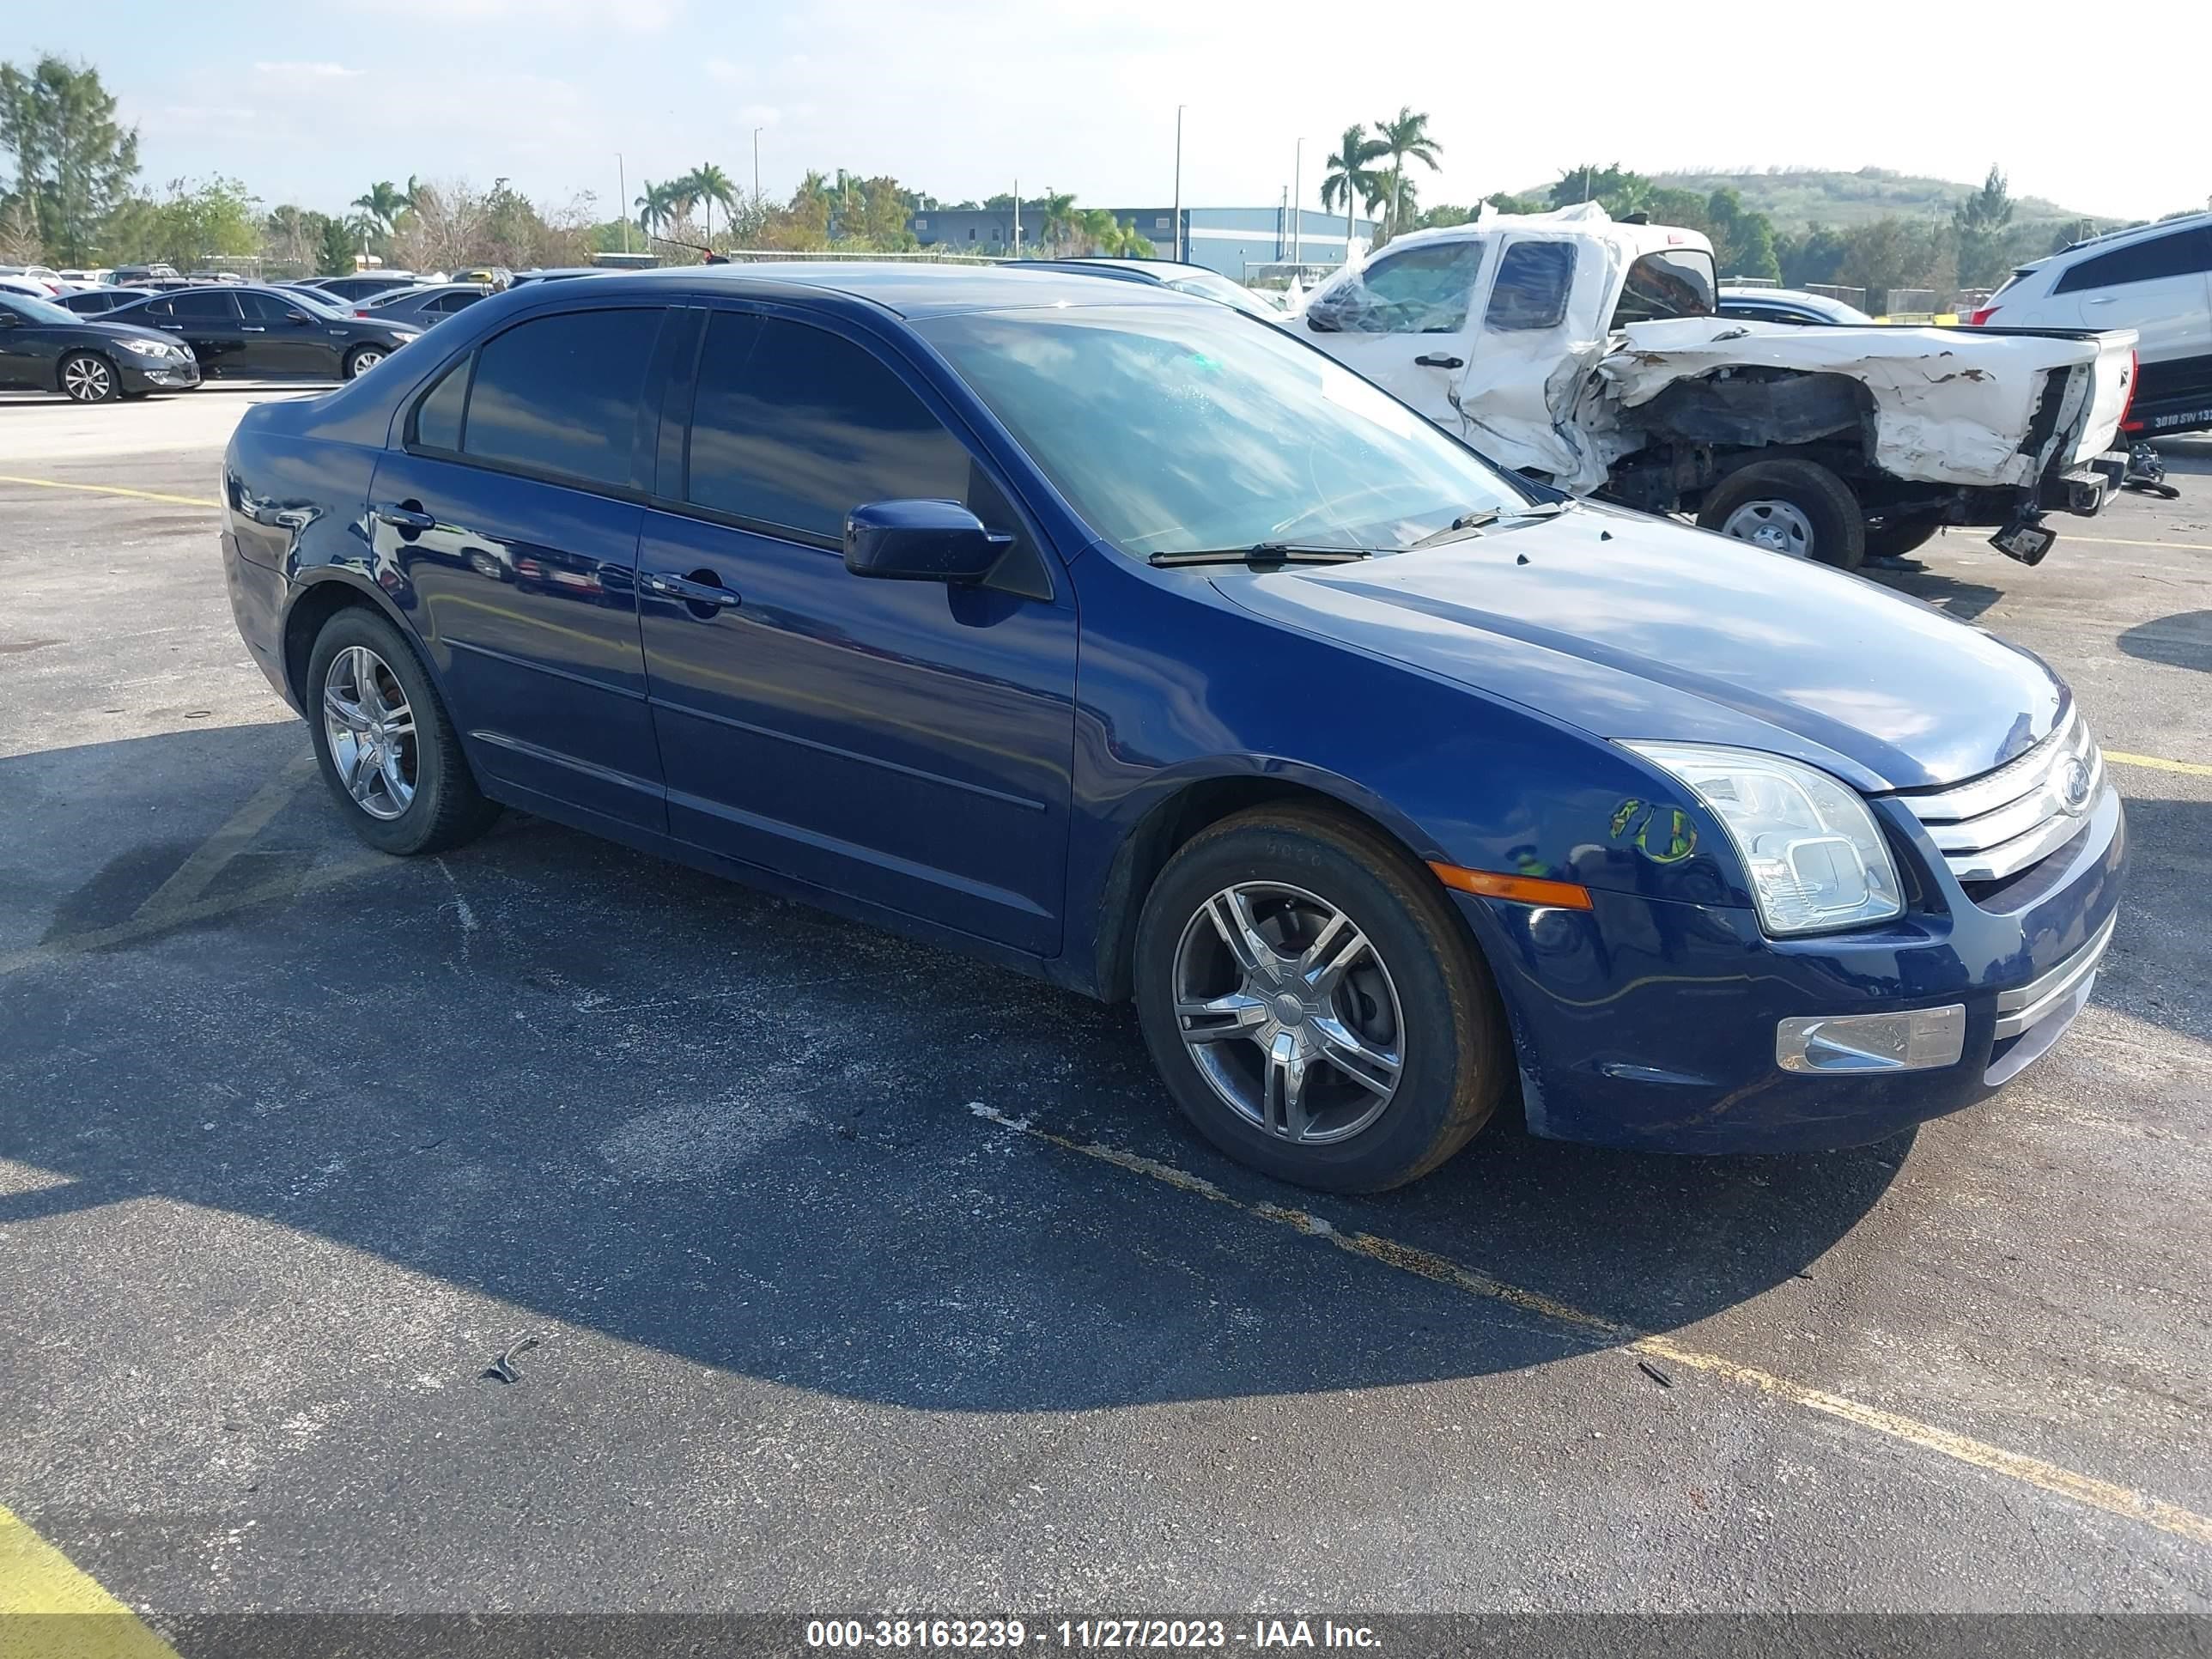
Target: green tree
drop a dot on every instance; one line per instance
(19, 233)
(383, 202)
(708, 184)
(203, 219)
(334, 257)
(74, 163)
(1608, 184)
(1404, 139)
(1346, 176)
(1817, 256)
(1055, 226)
(1505, 203)
(1980, 222)
(291, 236)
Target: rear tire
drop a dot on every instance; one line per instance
(362, 359)
(1792, 506)
(404, 791)
(1301, 1033)
(1896, 539)
(86, 377)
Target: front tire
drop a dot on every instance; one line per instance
(1314, 1003)
(86, 377)
(1795, 508)
(389, 755)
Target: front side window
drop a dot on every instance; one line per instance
(1184, 429)
(796, 427)
(1671, 283)
(562, 394)
(268, 308)
(1415, 290)
(1534, 281)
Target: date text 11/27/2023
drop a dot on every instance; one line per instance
(1086, 1633)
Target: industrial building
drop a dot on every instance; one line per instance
(1228, 240)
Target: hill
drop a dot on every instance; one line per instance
(1794, 197)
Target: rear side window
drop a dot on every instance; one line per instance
(795, 425)
(1415, 290)
(1531, 290)
(2184, 254)
(204, 305)
(1674, 282)
(438, 417)
(562, 394)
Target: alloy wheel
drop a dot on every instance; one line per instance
(366, 359)
(88, 380)
(1288, 1012)
(370, 729)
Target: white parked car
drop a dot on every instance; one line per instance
(2155, 279)
(48, 279)
(1587, 352)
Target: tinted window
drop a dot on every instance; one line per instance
(2184, 254)
(438, 417)
(562, 394)
(205, 305)
(1531, 290)
(1674, 283)
(796, 426)
(268, 308)
(1415, 290)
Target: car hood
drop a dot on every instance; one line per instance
(1632, 628)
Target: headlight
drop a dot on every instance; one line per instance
(1810, 847)
(147, 348)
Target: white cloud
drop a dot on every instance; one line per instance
(305, 71)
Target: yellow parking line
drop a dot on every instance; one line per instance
(37, 1579)
(2159, 764)
(109, 489)
(1926, 1437)
(2114, 541)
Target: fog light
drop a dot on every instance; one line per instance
(1916, 1041)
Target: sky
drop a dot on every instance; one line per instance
(310, 102)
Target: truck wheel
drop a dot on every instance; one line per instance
(1899, 537)
(1797, 507)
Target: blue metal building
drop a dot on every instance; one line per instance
(1226, 240)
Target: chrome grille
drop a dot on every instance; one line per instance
(2001, 823)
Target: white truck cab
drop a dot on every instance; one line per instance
(1585, 350)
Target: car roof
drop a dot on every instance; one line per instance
(2112, 239)
(907, 289)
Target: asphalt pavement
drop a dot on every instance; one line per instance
(839, 1275)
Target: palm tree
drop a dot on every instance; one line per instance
(382, 202)
(1407, 137)
(707, 185)
(1347, 174)
(657, 206)
(1055, 218)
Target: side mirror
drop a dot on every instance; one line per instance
(919, 541)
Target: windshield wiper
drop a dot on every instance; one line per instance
(1265, 553)
(1468, 523)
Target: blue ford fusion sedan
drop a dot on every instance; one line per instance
(1120, 638)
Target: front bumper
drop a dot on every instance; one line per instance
(1652, 1024)
(137, 374)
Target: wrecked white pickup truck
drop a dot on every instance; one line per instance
(1583, 350)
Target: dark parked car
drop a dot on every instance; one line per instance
(1090, 629)
(44, 348)
(97, 301)
(1785, 305)
(1183, 278)
(353, 289)
(424, 306)
(268, 334)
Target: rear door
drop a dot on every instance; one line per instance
(508, 525)
(1403, 321)
(209, 321)
(908, 743)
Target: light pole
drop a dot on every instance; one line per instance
(1178, 182)
(756, 133)
(1297, 183)
(622, 200)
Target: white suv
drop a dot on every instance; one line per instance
(2155, 279)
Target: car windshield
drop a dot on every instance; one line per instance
(1184, 429)
(1209, 286)
(315, 302)
(39, 311)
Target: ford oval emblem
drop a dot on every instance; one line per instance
(2074, 787)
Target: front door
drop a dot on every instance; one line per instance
(1403, 320)
(501, 528)
(908, 743)
(284, 343)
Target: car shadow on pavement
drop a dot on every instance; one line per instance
(1963, 601)
(616, 1094)
(2183, 640)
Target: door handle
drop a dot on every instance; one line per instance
(686, 590)
(412, 520)
(1428, 360)
(251, 328)
(2100, 300)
